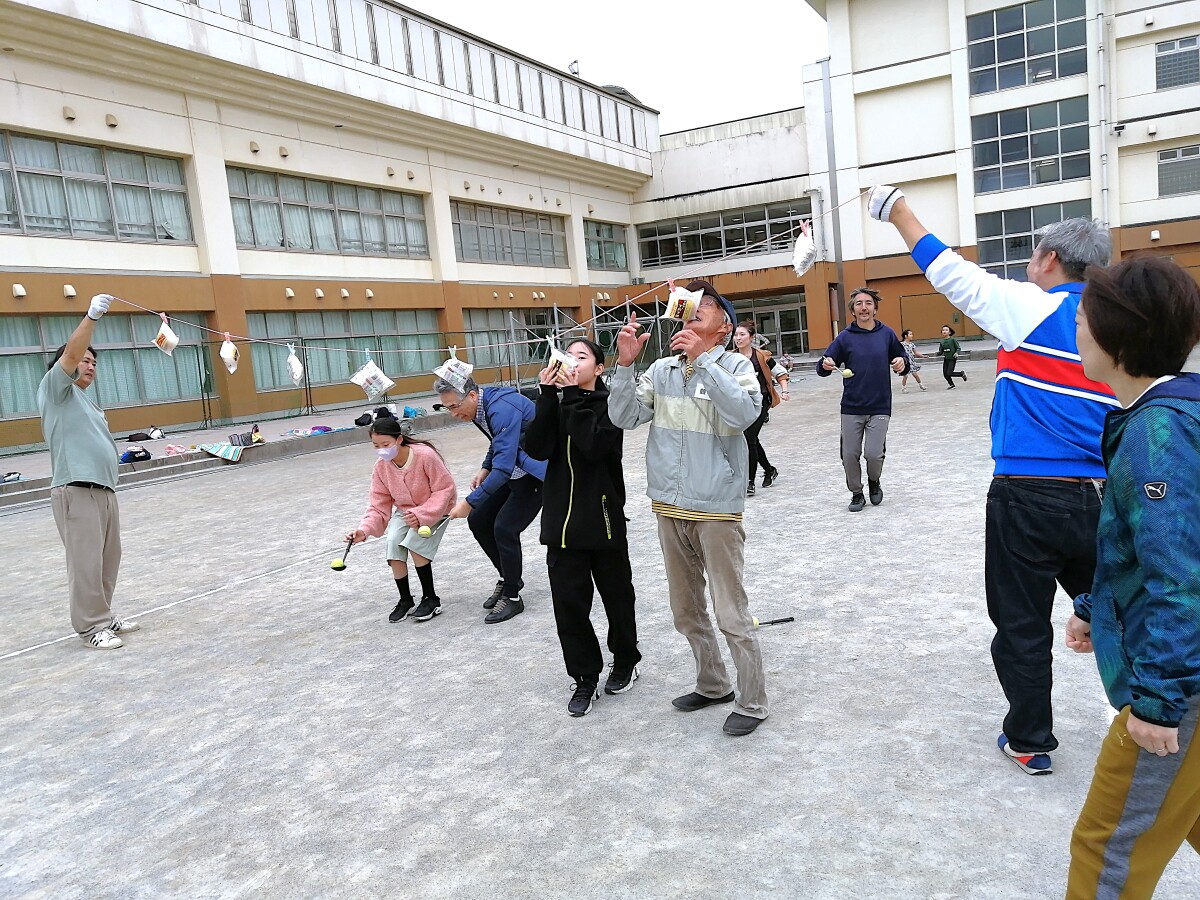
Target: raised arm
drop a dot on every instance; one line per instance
(81, 337)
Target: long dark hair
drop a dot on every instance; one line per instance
(392, 427)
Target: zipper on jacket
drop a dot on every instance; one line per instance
(570, 494)
(607, 523)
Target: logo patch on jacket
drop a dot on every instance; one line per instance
(1156, 490)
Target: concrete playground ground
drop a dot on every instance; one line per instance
(269, 734)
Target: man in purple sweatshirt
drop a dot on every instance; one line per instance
(864, 353)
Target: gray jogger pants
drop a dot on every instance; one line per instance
(863, 434)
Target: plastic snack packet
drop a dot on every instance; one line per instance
(682, 304)
(805, 252)
(166, 340)
(454, 371)
(294, 366)
(372, 380)
(229, 354)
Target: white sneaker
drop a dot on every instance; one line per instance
(123, 626)
(105, 640)
(921, 386)
(904, 390)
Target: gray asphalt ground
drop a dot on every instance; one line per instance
(269, 734)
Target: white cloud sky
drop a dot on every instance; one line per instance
(697, 63)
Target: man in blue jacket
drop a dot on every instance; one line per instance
(506, 493)
(866, 353)
(1047, 415)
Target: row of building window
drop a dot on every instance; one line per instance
(1006, 239)
(752, 229)
(509, 236)
(1026, 44)
(384, 37)
(63, 188)
(131, 370)
(1031, 145)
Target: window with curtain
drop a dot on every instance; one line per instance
(285, 212)
(62, 188)
(322, 338)
(130, 370)
(508, 236)
(605, 245)
(751, 230)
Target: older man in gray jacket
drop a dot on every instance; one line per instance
(699, 402)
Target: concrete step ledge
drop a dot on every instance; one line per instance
(167, 468)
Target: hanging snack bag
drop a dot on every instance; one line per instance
(560, 362)
(454, 371)
(229, 354)
(372, 380)
(805, 253)
(294, 366)
(166, 340)
(682, 304)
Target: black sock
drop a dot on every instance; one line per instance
(405, 593)
(425, 573)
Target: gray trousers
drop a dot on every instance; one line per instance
(690, 551)
(90, 528)
(859, 434)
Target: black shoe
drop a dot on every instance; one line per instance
(771, 477)
(581, 700)
(620, 679)
(950, 387)
(857, 502)
(505, 610)
(491, 601)
(402, 609)
(876, 492)
(738, 724)
(964, 375)
(750, 489)
(427, 609)
(693, 701)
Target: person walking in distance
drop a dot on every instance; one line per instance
(83, 484)
(1044, 500)
(948, 350)
(773, 381)
(583, 523)
(866, 350)
(1137, 323)
(698, 404)
(914, 367)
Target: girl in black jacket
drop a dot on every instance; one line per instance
(583, 522)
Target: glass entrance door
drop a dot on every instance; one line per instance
(782, 323)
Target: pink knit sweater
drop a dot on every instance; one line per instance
(425, 487)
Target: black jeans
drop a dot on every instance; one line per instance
(948, 364)
(497, 524)
(1039, 533)
(754, 445)
(572, 573)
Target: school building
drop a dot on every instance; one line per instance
(352, 177)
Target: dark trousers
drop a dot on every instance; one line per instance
(1039, 533)
(572, 573)
(754, 445)
(497, 524)
(948, 364)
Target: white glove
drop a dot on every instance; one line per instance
(99, 306)
(881, 200)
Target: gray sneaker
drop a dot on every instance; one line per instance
(857, 502)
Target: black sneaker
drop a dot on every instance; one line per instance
(771, 477)
(504, 610)
(581, 700)
(750, 489)
(491, 601)
(402, 609)
(620, 679)
(857, 502)
(964, 375)
(876, 492)
(427, 609)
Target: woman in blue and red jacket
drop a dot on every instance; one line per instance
(1137, 323)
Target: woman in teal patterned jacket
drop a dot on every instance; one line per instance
(1136, 325)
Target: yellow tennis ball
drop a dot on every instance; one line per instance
(337, 565)
(424, 531)
(755, 618)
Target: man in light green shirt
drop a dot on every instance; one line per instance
(83, 459)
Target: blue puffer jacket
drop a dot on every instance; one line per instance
(1145, 601)
(508, 414)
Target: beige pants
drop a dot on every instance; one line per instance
(90, 528)
(692, 550)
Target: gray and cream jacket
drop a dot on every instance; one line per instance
(696, 456)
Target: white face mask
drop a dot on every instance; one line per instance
(387, 454)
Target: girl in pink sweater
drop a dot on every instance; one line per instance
(410, 488)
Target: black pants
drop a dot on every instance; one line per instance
(754, 445)
(1039, 533)
(497, 524)
(572, 573)
(948, 364)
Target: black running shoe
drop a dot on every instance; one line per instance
(427, 609)
(402, 609)
(857, 502)
(750, 489)
(620, 679)
(771, 477)
(505, 610)
(875, 491)
(581, 700)
(491, 601)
